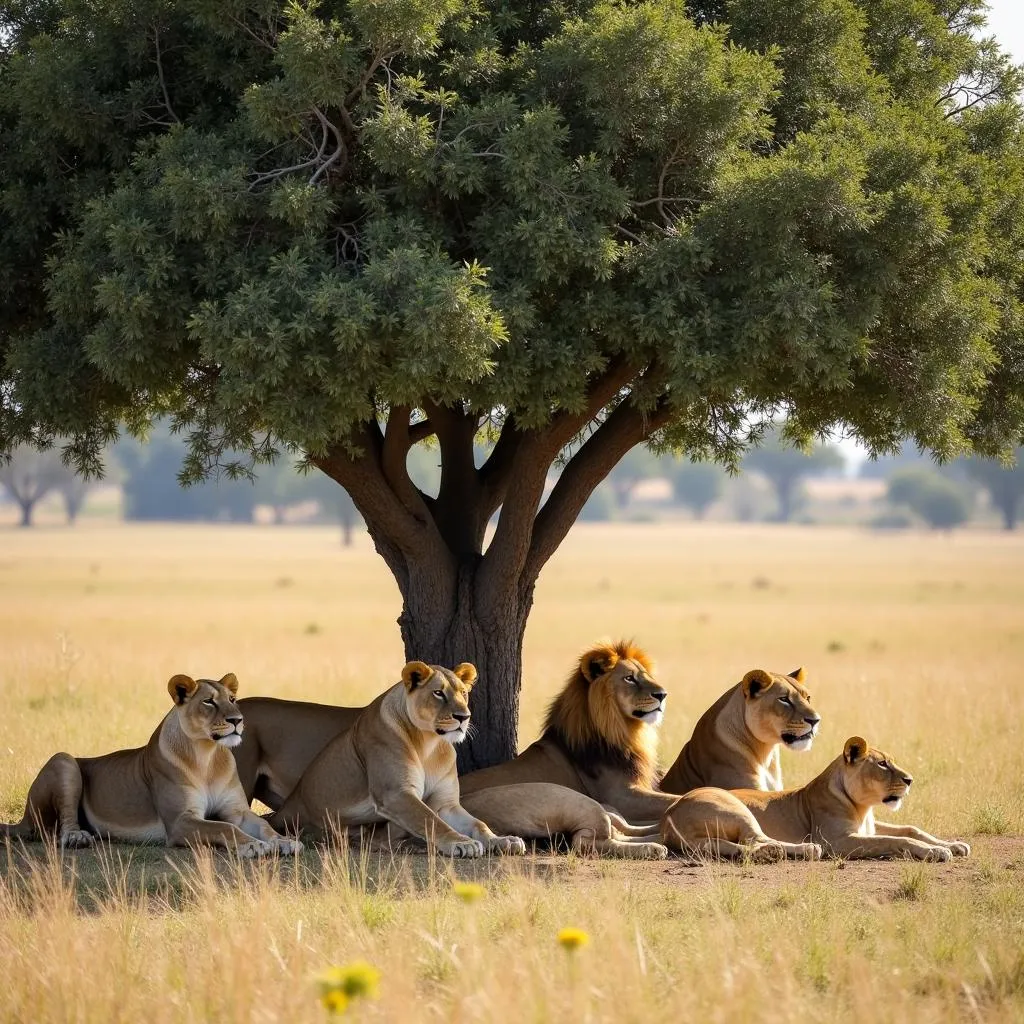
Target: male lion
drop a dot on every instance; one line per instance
(735, 744)
(833, 810)
(599, 737)
(397, 764)
(179, 789)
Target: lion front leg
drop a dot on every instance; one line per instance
(857, 847)
(191, 830)
(408, 811)
(462, 821)
(259, 828)
(955, 846)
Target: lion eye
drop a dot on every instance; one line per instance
(210, 702)
(439, 694)
(786, 701)
(883, 764)
(630, 679)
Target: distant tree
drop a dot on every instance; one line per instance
(785, 466)
(939, 501)
(636, 465)
(348, 514)
(698, 485)
(29, 475)
(73, 489)
(1004, 484)
(152, 490)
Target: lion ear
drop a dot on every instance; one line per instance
(798, 674)
(416, 673)
(598, 662)
(855, 750)
(754, 682)
(466, 672)
(181, 687)
(231, 682)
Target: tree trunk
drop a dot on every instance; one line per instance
(26, 512)
(487, 631)
(1008, 506)
(785, 487)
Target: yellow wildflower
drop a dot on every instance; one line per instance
(469, 892)
(334, 1000)
(340, 985)
(571, 939)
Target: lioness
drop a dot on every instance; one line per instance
(180, 788)
(599, 737)
(735, 744)
(281, 739)
(397, 764)
(834, 810)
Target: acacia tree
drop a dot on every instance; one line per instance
(569, 227)
(28, 476)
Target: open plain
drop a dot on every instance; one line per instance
(914, 640)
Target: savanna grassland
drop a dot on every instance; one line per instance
(915, 641)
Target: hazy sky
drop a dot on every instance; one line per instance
(1006, 19)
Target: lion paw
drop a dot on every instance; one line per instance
(811, 851)
(76, 838)
(286, 847)
(256, 848)
(511, 845)
(464, 847)
(649, 851)
(960, 849)
(937, 854)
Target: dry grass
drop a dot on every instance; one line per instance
(913, 641)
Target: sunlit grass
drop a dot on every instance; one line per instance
(913, 641)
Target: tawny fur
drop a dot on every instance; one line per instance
(593, 742)
(833, 812)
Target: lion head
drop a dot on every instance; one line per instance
(608, 710)
(871, 777)
(437, 698)
(207, 709)
(777, 708)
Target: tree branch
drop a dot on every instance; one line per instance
(534, 454)
(457, 510)
(395, 445)
(160, 75)
(626, 427)
(385, 514)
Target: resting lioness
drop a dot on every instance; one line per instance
(599, 737)
(397, 764)
(281, 739)
(735, 744)
(834, 810)
(179, 789)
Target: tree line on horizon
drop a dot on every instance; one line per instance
(917, 489)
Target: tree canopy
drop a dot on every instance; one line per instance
(571, 226)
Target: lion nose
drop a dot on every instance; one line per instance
(813, 720)
(234, 719)
(659, 695)
(908, 779)
(463, 717)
